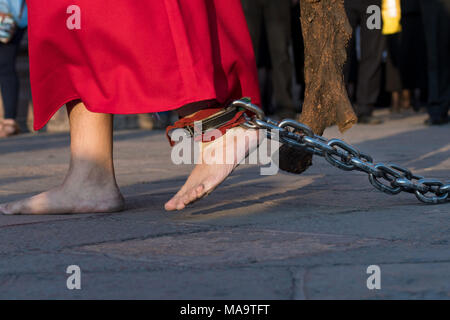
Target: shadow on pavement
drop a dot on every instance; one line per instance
(416, 150)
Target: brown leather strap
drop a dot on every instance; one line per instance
(212, 118)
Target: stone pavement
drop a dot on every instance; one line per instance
(280, 237)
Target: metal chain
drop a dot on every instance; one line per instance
(388, 178)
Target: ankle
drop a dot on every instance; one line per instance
(90, 173)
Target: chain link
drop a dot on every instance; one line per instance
(388, 178)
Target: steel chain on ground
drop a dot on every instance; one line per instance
(388, 178)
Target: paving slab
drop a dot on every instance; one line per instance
(225, 247)
(399, 281)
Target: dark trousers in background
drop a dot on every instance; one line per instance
(369, 69)
(9, 81)
(406, 64)
(412, 62)
(436, 19)
(299, 49)
(394, 58)
(276, 15)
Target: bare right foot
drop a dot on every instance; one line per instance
(70, 198)
(206, 176)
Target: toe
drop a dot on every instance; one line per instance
(173, 202)
(193, 195)
(171, 205)
(186, 199)
(4, 209)
(178, 202)
(183, 198)
(180, 205)
(200, 191)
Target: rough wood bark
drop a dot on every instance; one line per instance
(326, 32)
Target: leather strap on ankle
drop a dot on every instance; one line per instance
(200, 125)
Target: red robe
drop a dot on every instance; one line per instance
(138, 56)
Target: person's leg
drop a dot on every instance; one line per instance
(409, 57)
(351, 65)
(370, 69)
(9, 81)
(277, 15)
(90, 185)
(299, 50)
(430, 13)
(9, 86)
(394, 83)
(444, 61)
(435, 15)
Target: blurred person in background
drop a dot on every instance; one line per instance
(264, 65)
(13, 22)
(299, 49)
(436, 22)
(406, 59)
(276, 16)
(368, 83)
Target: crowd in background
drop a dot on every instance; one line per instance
(405, 68)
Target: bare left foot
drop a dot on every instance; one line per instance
(85, 190)
(207, 175)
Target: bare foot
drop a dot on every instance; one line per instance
(8, 127)
(74, 196)
(90, 185)
(207, 175)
